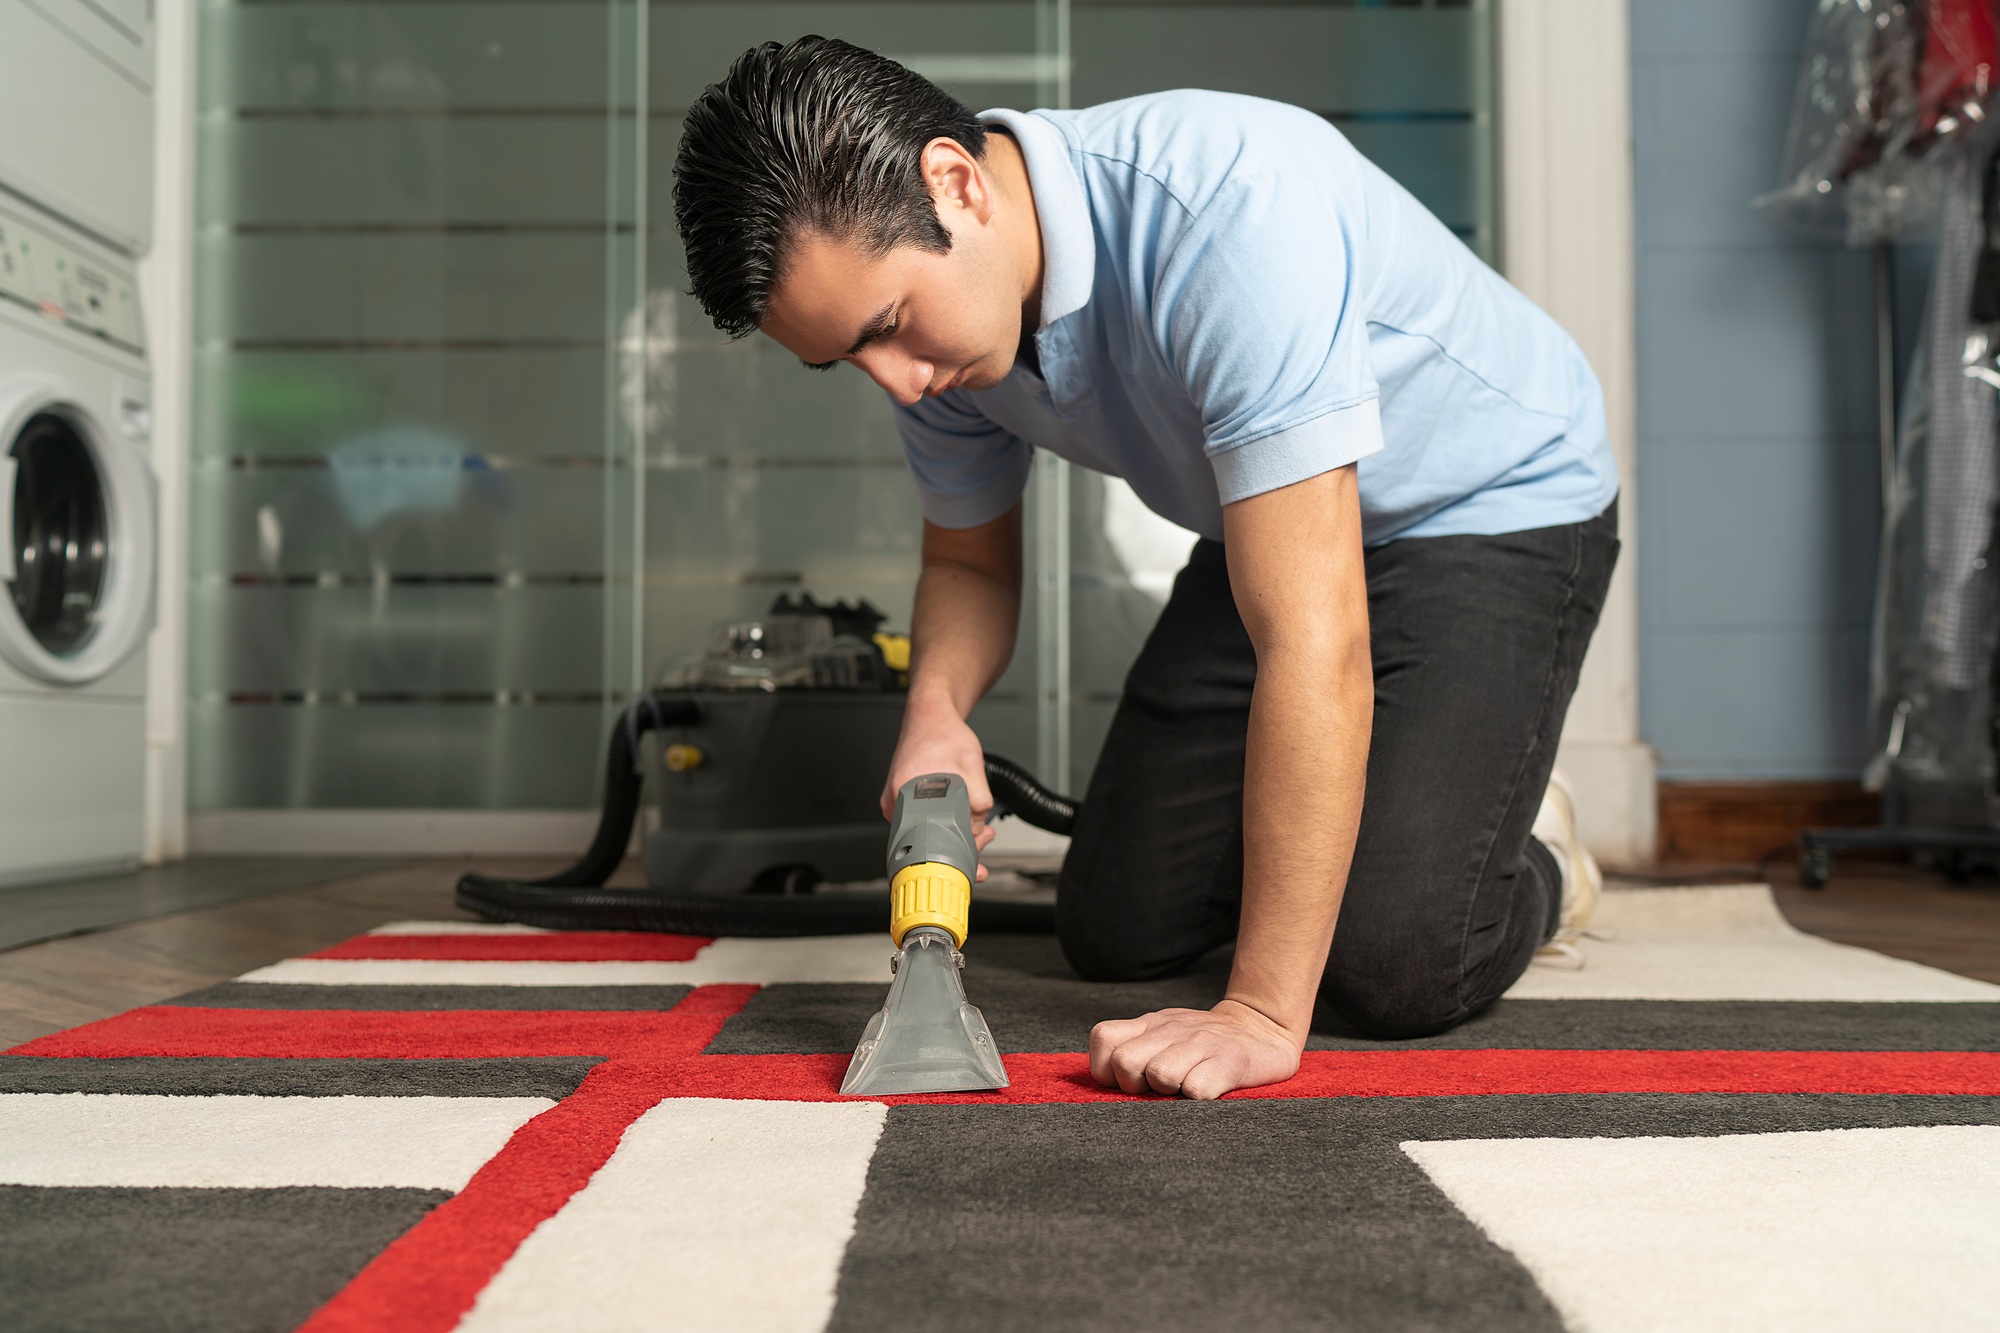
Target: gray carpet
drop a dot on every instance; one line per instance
(1260, 1215)
(193, 1260)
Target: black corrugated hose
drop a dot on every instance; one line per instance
(574, 899)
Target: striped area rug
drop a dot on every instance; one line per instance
(1719, 1123)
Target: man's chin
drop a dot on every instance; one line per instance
(983, 376)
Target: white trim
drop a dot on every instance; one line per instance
(390, 832)
(166, 286)
(1566, 234)
(1618, 799)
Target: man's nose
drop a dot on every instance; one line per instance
(904, 378)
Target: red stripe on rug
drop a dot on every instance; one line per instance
(1045, 1078)
(578, 946)
(431, 1275)
(374, 1034)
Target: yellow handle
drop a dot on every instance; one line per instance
(930, 893)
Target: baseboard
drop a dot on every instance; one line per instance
(1746, 821)
(390, 832)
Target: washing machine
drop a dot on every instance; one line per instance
(76, 112)
(78, 518)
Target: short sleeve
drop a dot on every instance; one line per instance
(968, 470)
(1258, 308)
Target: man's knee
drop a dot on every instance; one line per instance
(1396, 1017)
(1395, 999)
(1103, 949)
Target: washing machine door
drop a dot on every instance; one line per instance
(77, 510)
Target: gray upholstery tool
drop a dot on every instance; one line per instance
(927, 1038)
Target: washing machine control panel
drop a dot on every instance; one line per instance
(61, 280)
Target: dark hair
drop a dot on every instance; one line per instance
(817, 135)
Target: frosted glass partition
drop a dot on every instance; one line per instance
(763, 477)
(469, 465)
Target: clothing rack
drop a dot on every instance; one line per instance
(1957, 849)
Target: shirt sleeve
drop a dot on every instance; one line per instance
(1258, 309)
(968, 470)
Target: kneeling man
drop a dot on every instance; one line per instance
(1348, 712)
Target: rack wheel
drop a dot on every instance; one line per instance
(1815, 866)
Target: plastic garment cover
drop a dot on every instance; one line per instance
(1884, 85)
(1933, 670)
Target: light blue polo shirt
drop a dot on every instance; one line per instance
(1233, 300)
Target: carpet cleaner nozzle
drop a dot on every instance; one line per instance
(927, 1038)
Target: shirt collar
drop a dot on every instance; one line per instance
(1069, 247)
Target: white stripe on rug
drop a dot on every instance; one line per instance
(1730, 943)
(725, 1215)
(1828, 1231)
(75, 1138)
(833, 958)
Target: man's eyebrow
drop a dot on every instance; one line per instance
(873, 329)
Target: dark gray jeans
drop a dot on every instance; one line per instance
(1477, 644)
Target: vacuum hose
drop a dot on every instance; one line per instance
(1018, 794)
(624, 780)
(574, 899)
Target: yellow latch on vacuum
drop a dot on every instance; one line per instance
(683, 758)
(895, 650)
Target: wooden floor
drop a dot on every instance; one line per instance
(58, 984)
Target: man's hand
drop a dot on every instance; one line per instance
(1195, 1053)
(936, 740)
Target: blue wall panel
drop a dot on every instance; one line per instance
(1756, 411)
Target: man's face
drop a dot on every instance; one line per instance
(916, 322)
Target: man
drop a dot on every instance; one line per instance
(1397, 465)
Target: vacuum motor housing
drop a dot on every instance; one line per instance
(774, 790)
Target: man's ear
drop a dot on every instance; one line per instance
(957, 179)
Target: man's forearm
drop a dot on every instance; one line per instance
(961, 636)
(1305, 771)
(963, 624)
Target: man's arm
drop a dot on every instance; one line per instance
(1295, 567)
(961, 638)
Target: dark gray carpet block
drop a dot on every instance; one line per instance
(1223, 1215)
(77, 1260)
(283, 995)
(1033, 1002)
(1696, 1025)
(554, 1077)
(1031, 998)
(1165, 1216)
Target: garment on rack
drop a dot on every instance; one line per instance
(1884, 86)
(1935, 623)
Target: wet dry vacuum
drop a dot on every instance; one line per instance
(772, 746)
